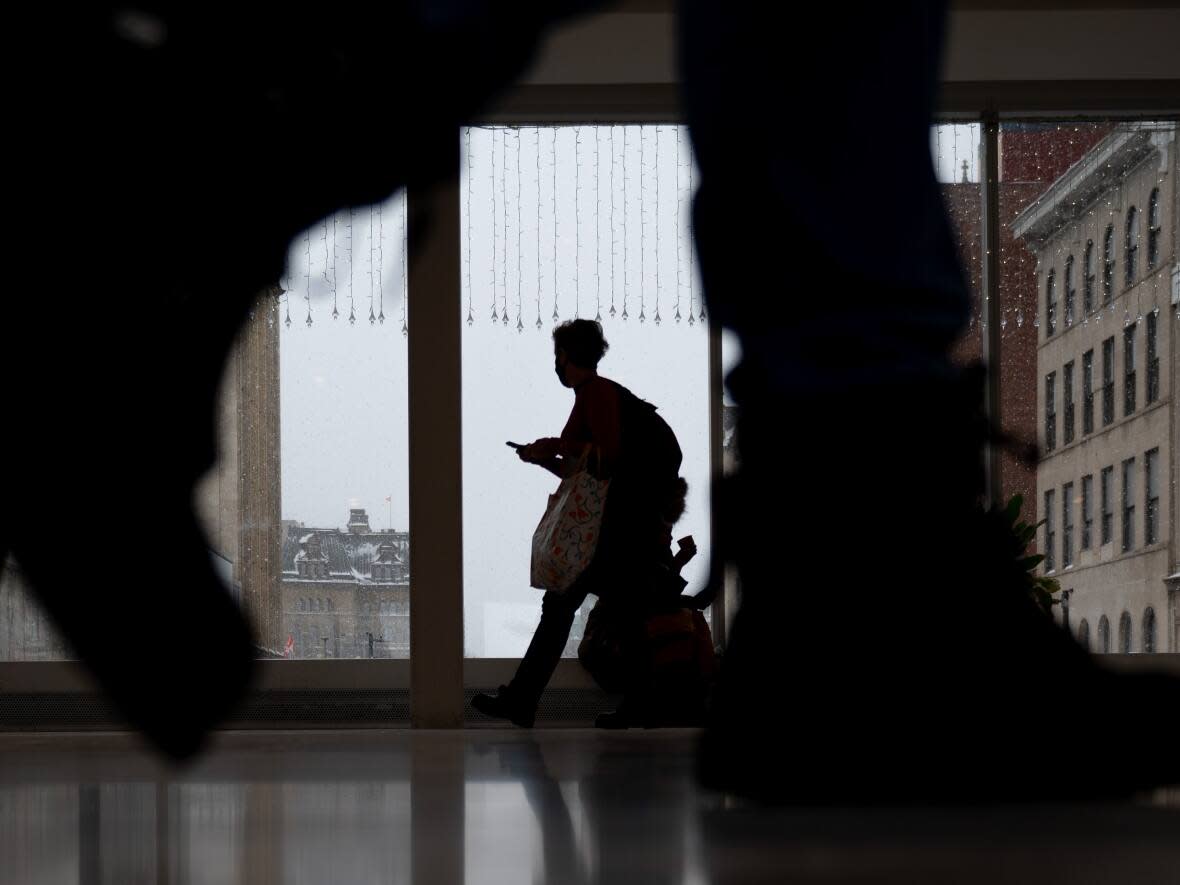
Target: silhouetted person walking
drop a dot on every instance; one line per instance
(887, 646)
(603, 432)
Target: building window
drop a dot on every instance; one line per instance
(1050, 532)
(1088, 278)
(1153, 229)
(1051, 302)
(1152, 516)
(1125, 633)
(1108, 265)
(1153, 359)
(1067, 525)
(1131, 245)
(1084, 634)
(1149, 631)
(1107, 479)
(1088, 392)
(1129, 369)
(1108, 381)
(1070, 292)
(1128, 505)
(1104, 635)
(1067, 395)
(1050, 411)
(1087, 512)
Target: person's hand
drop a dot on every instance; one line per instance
(688, 549)
(539, 451)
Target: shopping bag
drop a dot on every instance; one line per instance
(567, 535)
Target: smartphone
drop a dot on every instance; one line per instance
(515, 445)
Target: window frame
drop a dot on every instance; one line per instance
(436, 694)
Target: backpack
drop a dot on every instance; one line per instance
(652, 455)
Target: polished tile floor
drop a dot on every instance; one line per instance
(493, 806)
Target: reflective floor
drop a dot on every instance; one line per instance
(494, 806)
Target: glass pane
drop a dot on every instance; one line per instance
(558, 223)
(955, 150)
(306, 511)
(1072, 199)
(345, 544)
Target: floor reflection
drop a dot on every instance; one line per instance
(488, 807)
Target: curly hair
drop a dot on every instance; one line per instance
(582, 342)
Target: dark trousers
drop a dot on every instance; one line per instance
(635, 586)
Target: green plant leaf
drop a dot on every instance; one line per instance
(1013, 511)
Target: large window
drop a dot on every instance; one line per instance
(344, 580)
(1153, 359)
(1108, 265)
(1088, 279)
(560, 223)
(1050, 551)
(1050, 411)
(1051, 302)
(1108, 382)
(1153, 229)
(1151, 469)
(1129, 370)
(1087, 512)
(1128, 505)
(1088, 392)
(1107, 504)
(1131, 246)
(1075, 191)
(1067, 525)
(308, 517)
(1067, 394)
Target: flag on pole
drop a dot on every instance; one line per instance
(389, 499)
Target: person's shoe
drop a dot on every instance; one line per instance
(502, 705)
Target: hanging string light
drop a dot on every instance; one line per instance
(597, 233)
(692, 238)
(612, 220)
(381, 264)
(351, 272)
(642, 220)
(372, 314)
(519, 241)
(495, 222)
(470, 242)
(324, 271)
(285, 287)
(504, 227)
(679, 210)
(537, 147)
(626, 212)
(335, 310)
(657, 211)
(553, 164)
(577, 222)
(307, 276)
